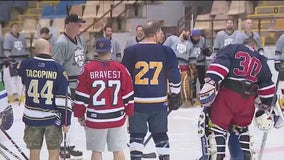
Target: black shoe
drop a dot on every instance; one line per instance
(62, 155)
(74, 153)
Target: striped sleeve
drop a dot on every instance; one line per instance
(63, 100)
(127, 92)
(81, 95)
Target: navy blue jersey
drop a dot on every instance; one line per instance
(46, 89)
(240, 62)
(152, 67)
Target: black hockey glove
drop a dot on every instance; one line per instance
(207, 52)
(175, 101)
(279, 66)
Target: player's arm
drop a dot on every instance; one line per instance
(266, 87)
(174, 78)
(127, 92)
(217, 42)
(7, 46)
(279, 54)
(59, 52)
(127, 59)
(216, 72)
(82, 96)
(62, 97)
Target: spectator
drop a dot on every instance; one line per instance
(136, 39)
(45, 33)
(70, 51)
(15, 50)
(115, 48)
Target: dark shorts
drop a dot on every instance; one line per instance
(157, 122)
(33, 137)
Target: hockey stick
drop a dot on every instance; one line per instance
(4, 155)
(18, 148)
(9, 151)
(265, 134)
(65, 135)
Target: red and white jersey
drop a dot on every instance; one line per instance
(104, 94)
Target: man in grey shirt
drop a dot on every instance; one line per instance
(15, 50)
(70, 51)
(181, 46)
(45, 34)
(115, 48)
(248, 33)
(136, 39)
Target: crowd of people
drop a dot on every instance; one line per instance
(136, 88)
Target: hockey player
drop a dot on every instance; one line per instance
(103, 101)
(115, 47)
(201, 50)
(46, 114)
(15, 50)
(136, 39)
(70, 51)
(225, 37)
(151, 65)
(248, 33)
(238, 74)
(45, 33)
(279, 67)
(181, 46)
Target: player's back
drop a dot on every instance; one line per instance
(151, 65)
(246, 63)
(41, 77)
(105, 79)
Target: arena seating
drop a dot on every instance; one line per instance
(77, 8)
(237, 8)
(219, 7)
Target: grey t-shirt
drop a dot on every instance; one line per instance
(1, 46)
(223, 38)
(72, 55)
(131, 41)
(279, 50)
(196, 50)
(15, 46)
(181, 49)
(241, 36)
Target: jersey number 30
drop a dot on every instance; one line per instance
(145, 67)
(250, 66)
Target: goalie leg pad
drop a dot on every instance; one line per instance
(217, 142)
(7, 118)
(245, 141)
(136, 145)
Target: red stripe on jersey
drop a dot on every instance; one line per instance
(218, 69)
(267, 92)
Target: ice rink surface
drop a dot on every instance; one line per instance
(184, 140)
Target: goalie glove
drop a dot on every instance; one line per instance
(208, 92)
(263, 120)
(175, 101)
(279, 65)
(7, 118)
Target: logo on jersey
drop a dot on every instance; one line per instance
(18, 45)
(79, 57)
(181, 48)
(228, 41)
(196, 51)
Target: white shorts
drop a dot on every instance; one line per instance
(115, 138)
